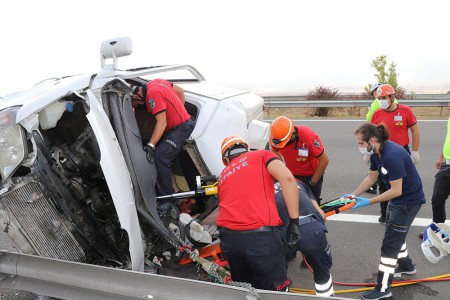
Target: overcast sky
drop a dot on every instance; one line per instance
(263, 46)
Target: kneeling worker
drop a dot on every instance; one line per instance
(313, 244)
(250, 236)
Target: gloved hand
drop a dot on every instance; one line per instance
(415, 157)
(150, 153)
(366, 158)
(348, 196)
(361, 202)
(293, 232)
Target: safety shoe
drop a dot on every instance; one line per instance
(372, 190)
(382, 219)
(376, 294)
(403, 270)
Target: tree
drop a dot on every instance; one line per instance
(383, 76)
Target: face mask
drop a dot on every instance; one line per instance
(365, 150)
(384, 104)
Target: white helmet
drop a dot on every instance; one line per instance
(436, 235)
(374, 87)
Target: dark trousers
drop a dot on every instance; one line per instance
(166, 151)
(257, 258)
(314, 246)
(382, 189)
(393, 248)
(316, 190)
(441, 191)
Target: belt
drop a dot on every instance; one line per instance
(260, 229)
(306, 220)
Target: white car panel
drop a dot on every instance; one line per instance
(118, 179)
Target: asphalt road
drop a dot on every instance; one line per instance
(356, 245)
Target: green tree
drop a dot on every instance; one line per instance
(385, 76)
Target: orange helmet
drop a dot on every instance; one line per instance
(281, 132)
(229, 143)
(385, 90)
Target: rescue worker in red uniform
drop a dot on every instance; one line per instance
(173, 127)
(248, 220)
(397, 118)
(302, 151)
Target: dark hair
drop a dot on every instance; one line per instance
(368, 130)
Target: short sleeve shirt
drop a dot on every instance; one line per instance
(396, 163)
(246, 192)
(397, 123)
(301, 156)
(162, 98)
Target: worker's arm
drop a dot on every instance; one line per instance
(320, 170)
(180, 93)
(395, 191)
(415, 134)
(368, 181)
(439, 161)
(161, 123)
(289, 188)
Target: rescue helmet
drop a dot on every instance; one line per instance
(281, 131)
(385, 90)
(436, 235)
(374, 87)
(232, 145)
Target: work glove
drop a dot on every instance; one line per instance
(293, 233)
(361, 202)
(415, 157)
(366, 158)
(150, 153)
(348, 196)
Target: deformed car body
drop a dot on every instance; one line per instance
(75, 183)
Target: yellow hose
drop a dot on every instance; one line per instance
(412, 281)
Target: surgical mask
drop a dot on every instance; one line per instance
(365, 150)
(384, 104)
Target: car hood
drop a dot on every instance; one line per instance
(42, 94)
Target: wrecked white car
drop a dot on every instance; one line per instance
(75, 183)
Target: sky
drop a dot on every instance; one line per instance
(267, 47)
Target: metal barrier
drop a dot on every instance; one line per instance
(292, 103)
(71, 280)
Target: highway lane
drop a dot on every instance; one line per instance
(356, 245)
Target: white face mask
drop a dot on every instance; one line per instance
(364, 150)
(384, 104)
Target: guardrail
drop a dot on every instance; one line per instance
(71, 280)
(294, 102)
(291, 103)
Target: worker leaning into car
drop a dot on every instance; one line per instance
(313, 244)
(250, 236)
(302, 151)
(173, 127)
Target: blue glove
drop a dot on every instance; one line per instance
(347, 195)
(361, 202)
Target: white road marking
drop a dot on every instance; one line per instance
(422, 222)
